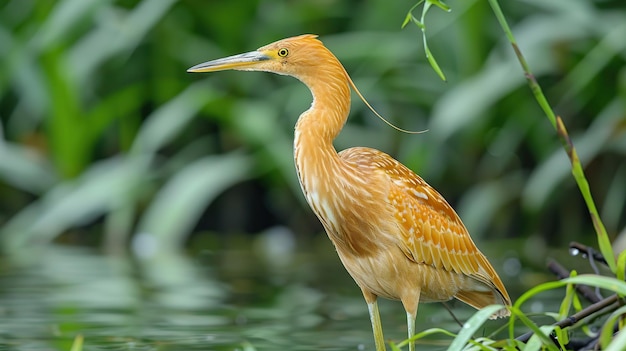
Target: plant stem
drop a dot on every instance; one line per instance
(557, 124)
(577, 317)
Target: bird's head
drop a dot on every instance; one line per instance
(301, 57)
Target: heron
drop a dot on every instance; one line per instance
(395, 235)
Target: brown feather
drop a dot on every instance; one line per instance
(431, 233)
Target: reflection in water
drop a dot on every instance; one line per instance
(234, 300)
(166, 303)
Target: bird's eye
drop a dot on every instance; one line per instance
(283, 52)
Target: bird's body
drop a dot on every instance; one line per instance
(397, 236)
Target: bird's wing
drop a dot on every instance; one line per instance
(432, 232)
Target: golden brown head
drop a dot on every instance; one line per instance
(301, 57)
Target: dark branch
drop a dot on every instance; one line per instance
(587, 251)
(577, 317)
(588, 293)
(561, 273)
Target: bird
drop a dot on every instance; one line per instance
(396, 236)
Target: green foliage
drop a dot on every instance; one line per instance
(422, 26)
(99, 130)
(541, 338)
(420, 335)
(556, 121)
(552, 337)
(77, 345)
(97, 157)
(83, 79)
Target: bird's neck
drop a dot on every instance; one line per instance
(317, 162)
(323, 121)
(327, 181)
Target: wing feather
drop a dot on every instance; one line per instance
(431, 231)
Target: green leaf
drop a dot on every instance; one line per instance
(621, 266)
(429, 55)
(247, 346)
(393, 346)
(421, 24)
(536, 342)
(440, 4)
(566, 303)
(618, 342)
(407, 19)
(586, 328)
(116, 34)
(539, 332)
(608, 283)
(65, 127)
(122, 106)
(64, 16)
(469, 328)
(177, 207)
(433, 62)
(101, 188)
(606, 335)
(409, 15)
(562, 336)
(24, 169)
(484, 344)
(166, 122)
(77, 345)
(425, 333)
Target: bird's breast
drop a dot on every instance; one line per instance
(352, 210)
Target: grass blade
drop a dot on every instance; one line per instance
(96, 192)
(607, 330)
(164, 124)
(557, 123)
(24, 169)
(77, 345)
(177, 207)
(429, 56)
(618, 342)
(422, 26)
(425, 333)
(469, 328)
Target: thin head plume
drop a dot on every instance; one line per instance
(356, 90)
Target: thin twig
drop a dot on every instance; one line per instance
(589, 251)
(445, 304)
(583, 344)
(556, 121)
(593, 256)
(577, 317)
(561, 273)
(590, 343)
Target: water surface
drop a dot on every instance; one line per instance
(236, 299)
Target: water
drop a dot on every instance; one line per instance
(233, 299)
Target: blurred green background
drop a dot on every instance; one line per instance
(107, 143)
(104, 135)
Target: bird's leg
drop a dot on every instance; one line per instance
(410, 305)
(410, 324)
(377, 327)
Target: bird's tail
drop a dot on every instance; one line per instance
(480, 299)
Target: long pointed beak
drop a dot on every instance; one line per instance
(240, 61)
